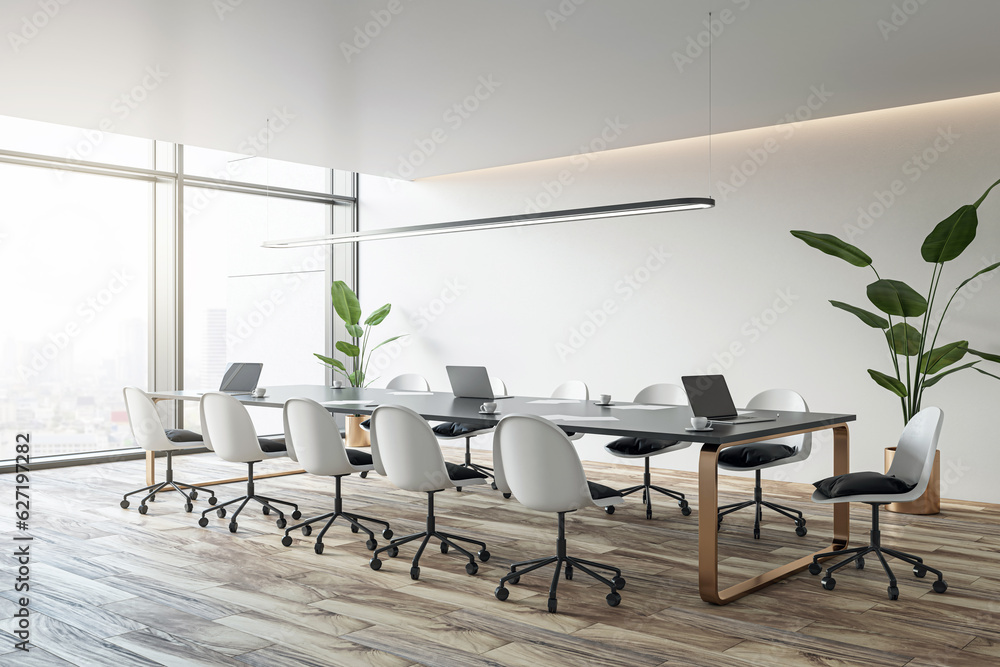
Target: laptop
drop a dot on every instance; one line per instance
(471, 382)
(709, 397)
(240, 378)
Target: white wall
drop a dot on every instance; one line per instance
(709, 282)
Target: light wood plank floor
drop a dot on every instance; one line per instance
(112, 587)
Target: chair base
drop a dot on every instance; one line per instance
(267, 503)
(875, 546)
(560, 559)
(354, 520)
(151, 490)
(647, 497)
(448, 541)
(485, 470)
(758, 503)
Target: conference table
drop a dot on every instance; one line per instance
(618, 420)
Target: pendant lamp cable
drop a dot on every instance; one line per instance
(711, 38)
(267, 178)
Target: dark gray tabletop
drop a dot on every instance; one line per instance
(668, 423)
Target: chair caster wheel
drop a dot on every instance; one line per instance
(814, 568)
(393, 552)
(756, 533)
(471, 568)
(682, 503)
(375, 564)
(619, 582)
(444, 547)
(569, 573)
(387, 534)
(266, 510)
(493, 485)
(188, 507)
(552, 605)
(152, 499)
(415, 573)
(318, 548)
(296, 515)
(610, 509)
(613, 599)
(458, 489)
(143, 509)
(213, 500)
(801, 531)
(893, 592)
(354, 528)
(501, 593)
(506, 495)
(828, 583)
(484, 555)
(202, 522)
(286, 541)
(221, 513)
(940, 586)
(307, 530)
(194, 495)
(233, 526)
(686, 511)
(371, 544)
(281, 523)
(919, 571)
(859, 564)
(124, 504)
(515, 580)
(364, 474)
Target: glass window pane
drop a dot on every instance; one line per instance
(74, 143)
(226, 166)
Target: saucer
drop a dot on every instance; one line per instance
(604, 405)
(697, 430)
(483, 412)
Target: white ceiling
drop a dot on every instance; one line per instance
(560, 81)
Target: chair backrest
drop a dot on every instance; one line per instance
(313, 439)
(914, 458)
(662, 394)
(784, 399)
(409, 382)
(405, 450)
(498, 386)
(147, 429)
(538, 464)
(572, 389)
(233, 435)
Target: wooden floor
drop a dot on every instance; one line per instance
(112, 587)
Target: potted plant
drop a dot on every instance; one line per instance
(357, 351)
(918, 362)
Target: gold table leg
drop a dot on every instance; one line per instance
(708, 534)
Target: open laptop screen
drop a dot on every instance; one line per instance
(241, 377)
(709, 396)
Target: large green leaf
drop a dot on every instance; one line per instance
(951, 236)
(831, 245)
(968, 280)
(889, 382)
(894, 297)
(904, 339)
(931, 381)
(388, 340)
(871, 319)
(378, 315)
(345, 302)
(985, 373)
(941, 357)
(980, 200)
(355, 330)
(986, 355)
(350, 349)
(330, 361)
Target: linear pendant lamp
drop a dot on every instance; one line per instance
(544, 218)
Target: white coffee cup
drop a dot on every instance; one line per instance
(337, 384)
(605, 399)
(699, 422)
(259, 392)
(489, 408)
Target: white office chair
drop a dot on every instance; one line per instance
(313, 439)
(233, 439)
(644, 448)
(148, 431)
(576, 389)
(405, 450)
(534, 459)
(455, 430)
(760, 455)
(906, 480)
(404, 382)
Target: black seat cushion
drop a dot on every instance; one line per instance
(600, 491)
(367, 424)
(359, 458)
(458, 472)
(639, 446)
(857, 483)
(749, 456)
(182, 435)
(271, 446)
(454, 430)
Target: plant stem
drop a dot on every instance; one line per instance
(931, 297)
(909, 389)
